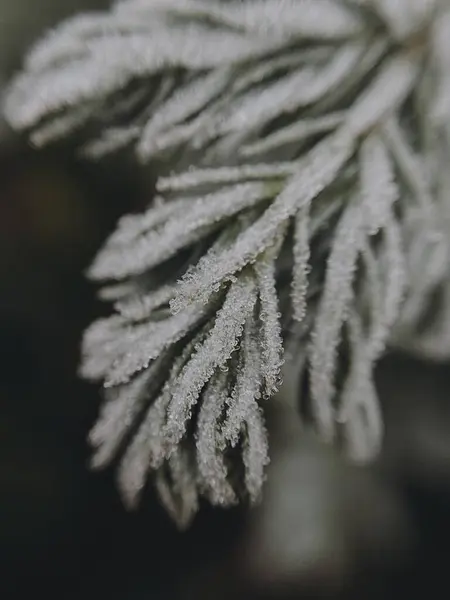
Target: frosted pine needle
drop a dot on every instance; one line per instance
(211, 461)
(255, 452)
(270, 329)
(176, 484)
(332, 312)
(300, 269)
(303, 148)
(248, 385)
(378, 185)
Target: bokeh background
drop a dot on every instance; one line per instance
(326, 529)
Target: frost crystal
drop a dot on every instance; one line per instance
(303, 150)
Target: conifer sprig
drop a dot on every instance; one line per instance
(303, 147)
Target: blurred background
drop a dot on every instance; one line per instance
(325, 529)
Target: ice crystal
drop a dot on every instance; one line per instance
(303, 150)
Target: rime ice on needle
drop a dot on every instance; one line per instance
(303, 147)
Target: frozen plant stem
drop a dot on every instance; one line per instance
(303, 148)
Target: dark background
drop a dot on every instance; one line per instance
(325, 529)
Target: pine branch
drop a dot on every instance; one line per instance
(303, 148)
